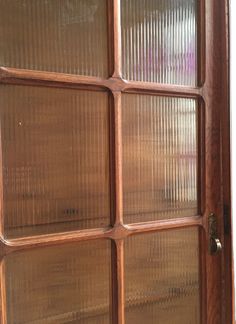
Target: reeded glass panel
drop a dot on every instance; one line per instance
(55, 155)
(159, 157)
(67, 36)
(162, 278)
(59, 284)
(159, 41)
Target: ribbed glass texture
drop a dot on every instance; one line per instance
(162, 278)
(55, 156)
(59, 284)
(159, 157)
(68, 36)
(159, 41)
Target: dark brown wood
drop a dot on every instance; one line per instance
(52, 79)
(201, 42)
(228, 285)
(203, 248)
(201, 156)
(212, 90)
(212, 95)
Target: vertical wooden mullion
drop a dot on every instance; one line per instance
(110, 34)
(117, 247)
(118, 316)
(118, 244)
(118, 159)
(117, 38)
(3, 309)
(201, 43)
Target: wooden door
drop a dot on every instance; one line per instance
(112, 114)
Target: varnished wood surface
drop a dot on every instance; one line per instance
(212, 97)
(213, 102)
(229, 301)
(117, 232)
(30, 77)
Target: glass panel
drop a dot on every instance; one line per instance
(67, 36)
(159, 41)
(59, 284)
(159, 157)
(55, 155)
(162, 278)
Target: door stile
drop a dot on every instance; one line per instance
(202, 275)
(212, 92)
(201, 184)
(227, 282)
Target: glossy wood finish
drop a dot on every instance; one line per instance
(29, 77)
(213, 98)
(116, 232)
(214, 103)
(229, 301)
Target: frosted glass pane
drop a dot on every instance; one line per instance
(162, 278)
(67, 36)
(159, 41)
(55, 155)
(159, 157)
(59, 284)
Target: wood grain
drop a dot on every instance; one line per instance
(52, 79)
(212, 95)
(118, 282)
(117, 38)
(116, 232)
(229, 301)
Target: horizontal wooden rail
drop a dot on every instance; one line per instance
(117, 232)
(52, 79)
